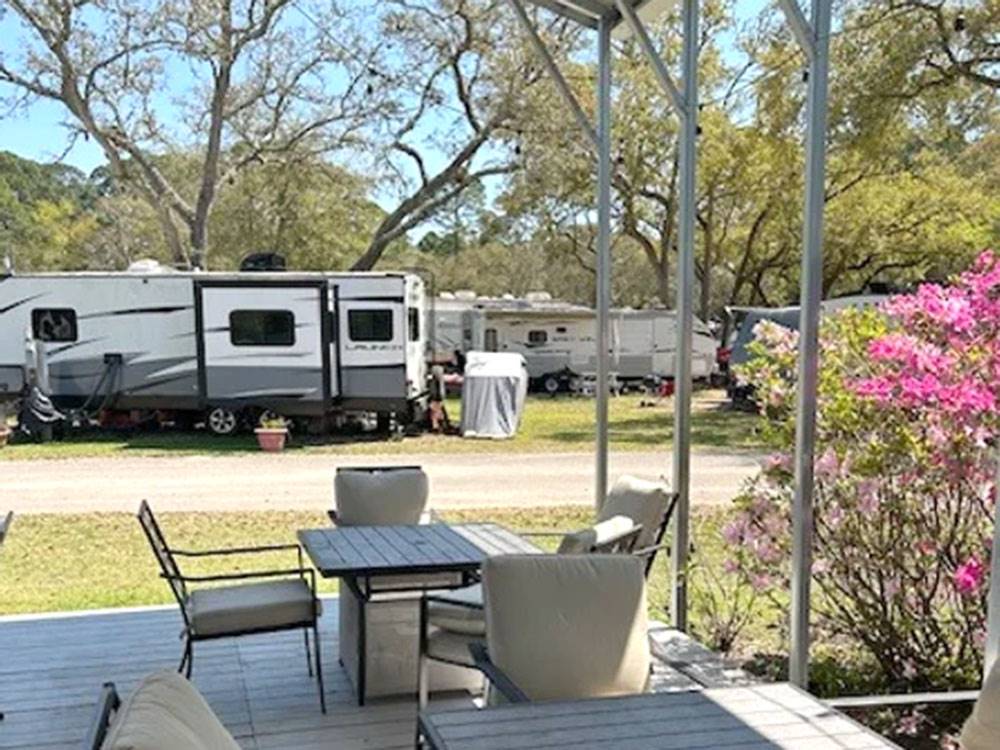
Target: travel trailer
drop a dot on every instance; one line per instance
(220, 346)
(557, 338)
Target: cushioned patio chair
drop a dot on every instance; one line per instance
(166, 712)
(563, 627)
(379, 496)
(263, 601)
(982, 728)
(450, 621)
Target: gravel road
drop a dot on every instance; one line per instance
(288, 481)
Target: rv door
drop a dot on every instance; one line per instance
(266, 344)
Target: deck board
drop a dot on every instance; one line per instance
(52, 668)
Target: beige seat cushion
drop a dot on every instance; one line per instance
(251, 606)
(166, 712)
(583, 541)
(643, 501)
(392, 497)
(568, 626)
(982, 728)
(453, 647)
(466, 616)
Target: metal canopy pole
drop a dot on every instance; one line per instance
(993, 603)
(603, 253)
(814, 36)
(685, 313)
(685, 104)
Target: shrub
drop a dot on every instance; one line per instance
(908, 409)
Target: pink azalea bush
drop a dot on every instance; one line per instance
(909, 406)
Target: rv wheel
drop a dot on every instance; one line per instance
(551, 385)
(222, 422)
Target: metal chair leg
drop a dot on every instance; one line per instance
(184, 667)
(309, 666)
(319, 667)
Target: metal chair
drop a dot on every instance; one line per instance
(280, 599)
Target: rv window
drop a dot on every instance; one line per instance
(537, 337)
(414, 318)
(490, 339)
(370, 325)
(54, 324)
(261, 328)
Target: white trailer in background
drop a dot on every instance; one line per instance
(220, 345)
(557, 338)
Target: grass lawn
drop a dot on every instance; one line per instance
(551, 425)
(57, 562)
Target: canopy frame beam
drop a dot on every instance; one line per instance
(814, 38)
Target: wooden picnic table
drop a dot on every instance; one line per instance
(762, 717)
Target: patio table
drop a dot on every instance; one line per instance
(761, 717)
(386, 566)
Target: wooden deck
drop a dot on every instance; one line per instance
(52, 668)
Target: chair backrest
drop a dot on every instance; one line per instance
(982, 728)
(648, 503)
(168, 566)
(568, 626)
(166, 712)
(616, 535)
(380, 496)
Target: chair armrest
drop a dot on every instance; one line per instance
(545, 532)
(235, 550)
(107, 704)
(651, 550)
(301, 572)
(445, 599)
(495, 675)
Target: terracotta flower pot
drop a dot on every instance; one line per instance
(271, 439)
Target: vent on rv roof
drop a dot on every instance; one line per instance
(263, 262)
(538, 297)
(148, 265)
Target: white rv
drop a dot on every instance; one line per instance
(221, 344)
(556, 337)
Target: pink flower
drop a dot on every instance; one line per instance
(868, 499)
(909, 669)
(777, 462)
(734, 531)
(891, 587)
(910, 724)
(827, 465)
(880, 388)
(730, 566)
(760, 581)
(969, 575)
(834, 515)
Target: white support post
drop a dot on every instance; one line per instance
(685, 314)
(603, 253)
(993, 605)
(815, 38)
(554, 73)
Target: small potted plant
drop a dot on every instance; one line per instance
(272, 433)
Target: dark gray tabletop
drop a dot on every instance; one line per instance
(390, 550)
(765, 717)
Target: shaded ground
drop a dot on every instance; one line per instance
(558, 425)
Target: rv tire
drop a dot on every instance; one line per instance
(222, 422)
